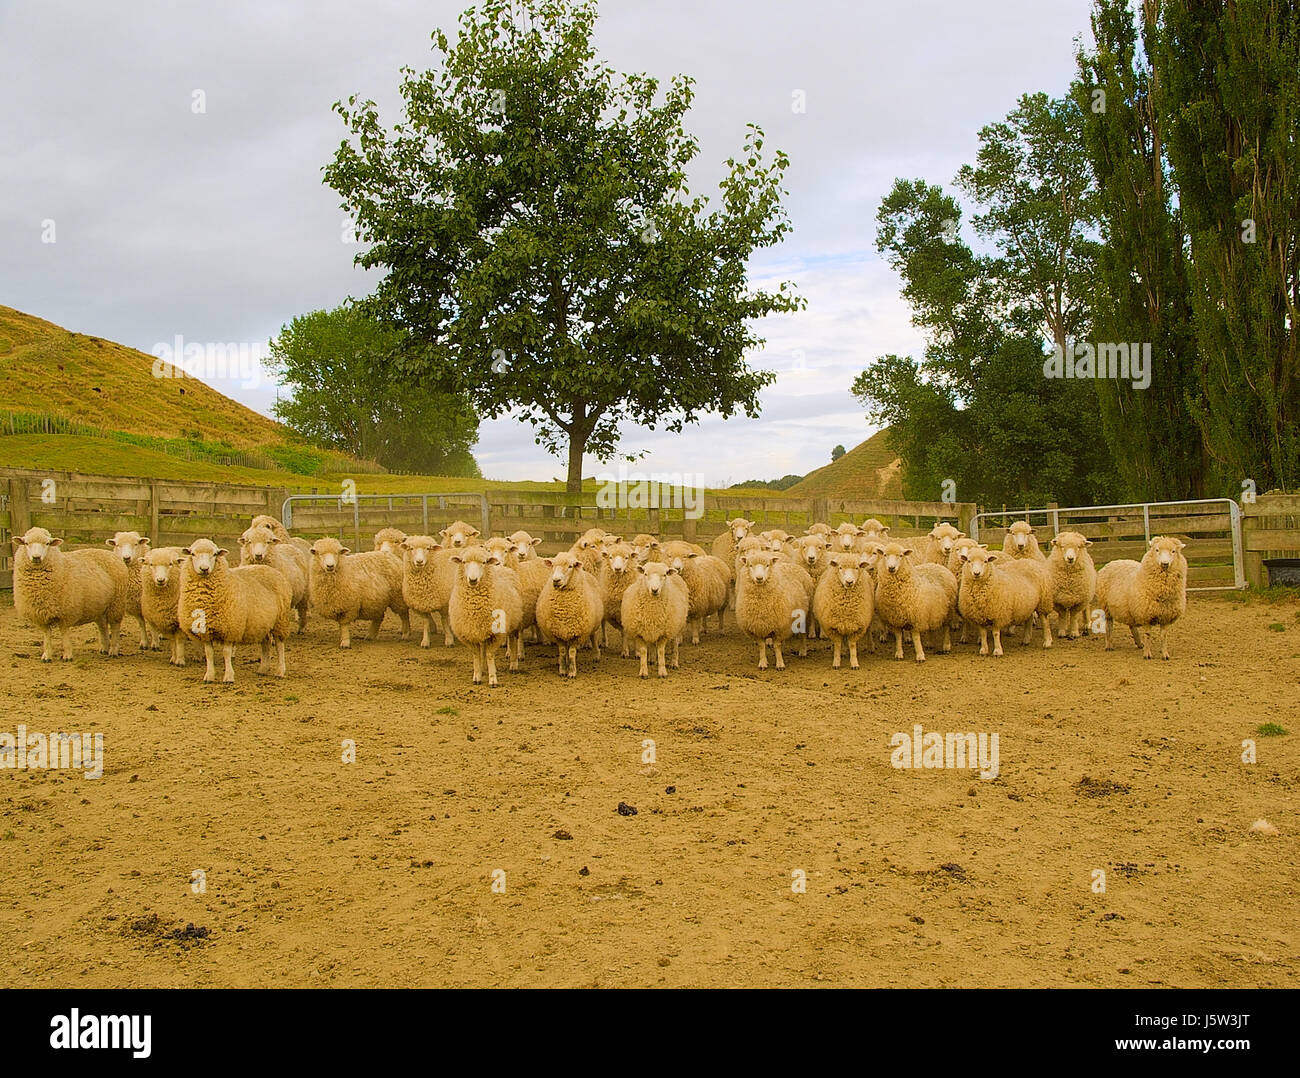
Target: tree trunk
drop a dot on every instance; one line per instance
(577, 443)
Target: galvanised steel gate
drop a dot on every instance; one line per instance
(1211, 528)
(334, 512)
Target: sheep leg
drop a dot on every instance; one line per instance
(573, 660)
(280, 669)
(677, 642)
(898, 643)
(490, 651)
(518, 640)
(595, 645)
(853, 652)
(641, 650)
(265, 664)
(210, 674)
(997, 641)
(345, 635)
(1137, 636)
(102, 626)
(916, 640)
(623, 633)
(1105, 618)
(476, 650)
(695, 630)
(984, 640)
(302, 608)
(780, 659)
(559, 648)
(228, 651)
(375, 623)
(428, 621)
(1047, 630)
(519, 646)
(448, 640)
(722, 616)
(47, 649)
(947, 639)
(1029, 629)
(762, 654)
(178, 649)
(405, 619)
(803, 645)
(114, 638)
(663, 669)
(1164, 641)
(1146, 643)
(835, 661)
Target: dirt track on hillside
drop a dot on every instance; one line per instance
(380, 872)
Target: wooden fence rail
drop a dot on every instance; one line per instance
(85, 509)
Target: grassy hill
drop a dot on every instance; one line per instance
(868, 470)
(47, 369)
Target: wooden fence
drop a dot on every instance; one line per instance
(1270, 529)
(86, 509)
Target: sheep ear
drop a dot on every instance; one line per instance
(345, 550)
(1180, 543)
(457, 558)
(17, 541)
(55, 542)
(145, 541)
(548, 562)
(1087, 542)
(907, 551)
(178, 559)
(993, 556)
(534, 542)
(185, 551)
(673, 569)
(474, 531)
(693, 554)
(276, 539)
(494, 559)
(640, 569)
(743, 559)
(222, 550)
(109, 542)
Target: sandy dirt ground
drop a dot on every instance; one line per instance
(381, 872)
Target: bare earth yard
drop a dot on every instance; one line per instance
(380, 872)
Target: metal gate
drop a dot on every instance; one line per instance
(1211, 528)
(385, 510)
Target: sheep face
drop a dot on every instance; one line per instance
(740, 528)
(776, 539)
(846, 534)
(206, 557)
(564, 567)
(1165, 552)
(524, 544)
(458, 534)
(962, 545)
(820, 529)
(328, 554)
(160, 565)
(417, 548)
(36, 544)
(848, 569)
(758, 565)
(811, 548)
(620, 556)
(130, 546)
(473, 565)
(1020, 532)
(1071, 545)
(979, 562)
(946, 536)
(893, 559)
(389, 540)
(258, 543)
(656, 575)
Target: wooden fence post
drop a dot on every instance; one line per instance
(153, 511)
(20, 511)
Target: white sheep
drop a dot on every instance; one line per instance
(458, 534)
(486, 610)
(264, 521)
(771, 601)
(708, 582)
(131, 547)
(999, 591)
(1141, 595)
(425, 583)
(848, 538)
(525, 545)
(588, 548)
(724, 545)
(616, 574)
(844, 603)
(56, 589)
(262, 546)
(390, 541)
(941, 540)
(1021, 542)
(347, 587)
(821, 529)
(654, 612)
(160, 591)
(570, 610)
(218, 604)
(1074, 582)
(507, 553)
(913, 598)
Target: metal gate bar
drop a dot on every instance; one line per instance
(1054, 515)
(341, 500)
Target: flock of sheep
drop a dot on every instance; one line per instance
(845, 583)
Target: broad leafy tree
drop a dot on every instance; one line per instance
(539, 245)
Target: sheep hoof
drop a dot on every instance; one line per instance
(920, 658)
(853, 666)
(997, 653)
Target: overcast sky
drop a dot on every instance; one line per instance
(214, 225)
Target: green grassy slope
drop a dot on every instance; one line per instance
(46, 369)
(868, 470)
